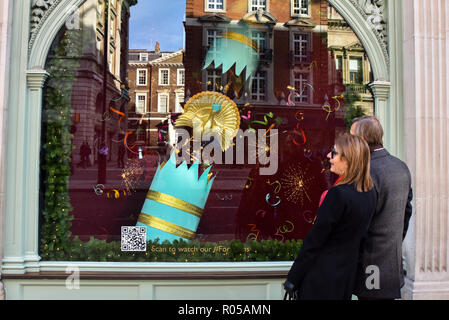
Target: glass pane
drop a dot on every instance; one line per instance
(257, 105)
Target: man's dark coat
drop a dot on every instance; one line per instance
(383, 244)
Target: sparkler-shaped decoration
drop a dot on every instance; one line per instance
(131, 175)
(258, 150)
(295, 184)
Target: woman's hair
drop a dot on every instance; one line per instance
(356, 152)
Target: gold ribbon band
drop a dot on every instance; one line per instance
(166, 226)
(174, 202)
(241, 38)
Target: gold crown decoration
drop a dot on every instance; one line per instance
(211, 111)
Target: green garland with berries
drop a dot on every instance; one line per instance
(57, 147)
(185, 251)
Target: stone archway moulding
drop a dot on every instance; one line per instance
(360, 19)
(47, 18)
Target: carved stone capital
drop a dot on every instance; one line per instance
(36, 78)
(381, 89)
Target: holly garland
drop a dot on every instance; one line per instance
(185, 251)
(57, 147)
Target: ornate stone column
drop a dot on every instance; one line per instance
(381, 92)
(35, 81)
(426, 69)
(23, 232)
(5, 37)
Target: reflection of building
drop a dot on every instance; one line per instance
(351, 61)
(291, 50)
(88, 91)
(285, 40)
(156, 81)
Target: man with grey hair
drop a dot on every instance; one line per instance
(380, 274)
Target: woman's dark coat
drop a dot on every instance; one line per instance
(327, 262)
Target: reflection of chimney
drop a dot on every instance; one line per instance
(157, 49)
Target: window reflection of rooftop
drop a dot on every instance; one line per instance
(143, 55)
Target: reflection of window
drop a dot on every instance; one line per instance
(301, 79)
(100, 14)
(339, 63)
(212, 36)
(213, 80)
(142, 135)
(355, 70)
(300, 46)
(179, 100)
(258, 87)
(162, 103)
(112, 27)
(214, 5)
(141, 77)
(144, 57)
(258, 4)
(164, 76)
(300, 7)
(181, 77)
(111, 61)
(260, 39)
(141, 103)
(134, 57)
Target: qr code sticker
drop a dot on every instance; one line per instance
(134, 239)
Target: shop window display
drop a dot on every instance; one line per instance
(234, 172)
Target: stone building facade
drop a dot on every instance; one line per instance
(88, 91)
(352, 62)
(157, 86)
(274, 29)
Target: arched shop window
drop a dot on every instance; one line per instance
(238, 174)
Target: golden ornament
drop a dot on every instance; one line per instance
(214, 112)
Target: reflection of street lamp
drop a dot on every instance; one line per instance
(140, 153)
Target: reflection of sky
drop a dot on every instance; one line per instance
(157, 20)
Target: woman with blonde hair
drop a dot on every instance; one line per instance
(327, 262)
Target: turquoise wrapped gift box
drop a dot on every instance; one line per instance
(175, 201)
